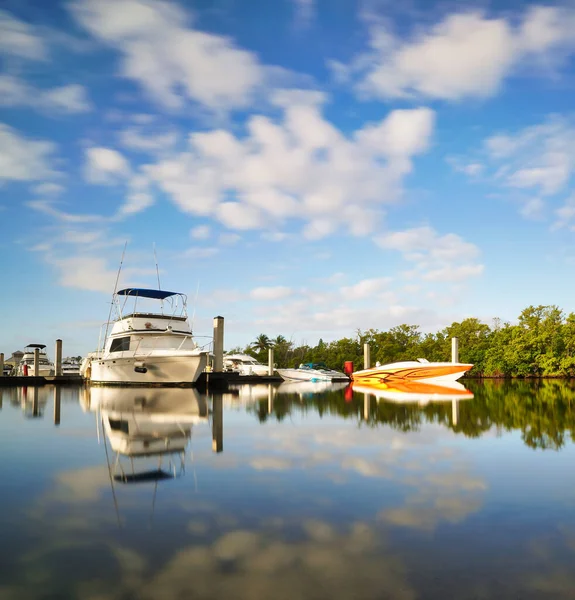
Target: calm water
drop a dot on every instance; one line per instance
(287, 493)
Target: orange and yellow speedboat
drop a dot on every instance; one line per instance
(411, 370)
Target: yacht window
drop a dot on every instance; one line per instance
(118, 425)
(120, 344)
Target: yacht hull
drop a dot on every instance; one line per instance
(411, 371)
(159, 370)
(43, 371)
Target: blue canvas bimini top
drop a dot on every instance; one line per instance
(144, 293)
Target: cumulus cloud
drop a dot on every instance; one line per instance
(299, 167)
(467, 54)
(23, 158)
(201, 232)
(20, 39)
(367, 288)
(105, 166)
(163, 52)
(436, 257)
(270, 293)
(71, 99)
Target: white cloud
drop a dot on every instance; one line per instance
(229, 238)
(18, 38)
(48, 189)
(167, 56)
(270, 293)
(304, 12)
(467, 54)
(566, 214)
(134, 138)
(47, 207)
(70, 99)
(201, 252)
(533, 209)
(367, 288)
(24, 159)
(201, 232)
(436, 257)
(105, 166)
(299, 167)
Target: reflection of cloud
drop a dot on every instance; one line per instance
(271, 463)
(320, 563)
(82, 485)
(418, 516)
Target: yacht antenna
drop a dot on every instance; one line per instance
(195, 303)
(115, 290)
(158, 276)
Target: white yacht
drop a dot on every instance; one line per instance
(312, 372)
(142, 347)
(244, 364)
(70, 367)
(26, 366)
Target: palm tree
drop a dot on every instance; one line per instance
(262, 343)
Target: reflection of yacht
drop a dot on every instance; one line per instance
(148, 347)
(416, 391)
(46, 368)
(312, 372)
(244, 364)
(144, 422)
(309, 387)
(411, 370)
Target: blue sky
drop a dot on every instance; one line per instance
(314, 167)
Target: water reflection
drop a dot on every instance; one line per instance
(338, 493)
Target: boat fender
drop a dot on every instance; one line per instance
(140, 369)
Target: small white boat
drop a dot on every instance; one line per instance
(147, 348)
(26, 366)
(312, 372)
(244, 364)
(411, 370)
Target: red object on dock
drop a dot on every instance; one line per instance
(25, 370)
(348, 367)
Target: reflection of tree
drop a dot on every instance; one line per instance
(543, 410)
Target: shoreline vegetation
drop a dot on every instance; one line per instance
(540, 345)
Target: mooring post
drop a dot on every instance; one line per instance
(58, 358)
(1, 364)
(36, 362)
(455, 411)
(454, 350)
(57, 392)
(217, 423)
(270, 362)
(366, 356)
(218, 365)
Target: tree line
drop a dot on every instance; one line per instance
(540, 344)
(543, 411)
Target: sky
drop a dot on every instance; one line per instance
(304, 168)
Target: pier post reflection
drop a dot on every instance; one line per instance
(35, 402)
(270, 399)
(454, 412)
(366, 401)
(217, 423)
(57, 400)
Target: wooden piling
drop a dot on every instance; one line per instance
(271, 362)
(58, 359)
(366, 356)
(36, 362)
(454, 350)
(1, 364)
(218, 365)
